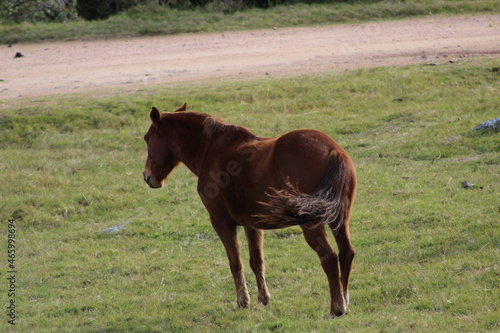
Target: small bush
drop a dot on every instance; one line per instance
(101, 9)
(19, 11)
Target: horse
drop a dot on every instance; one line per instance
(302, 178)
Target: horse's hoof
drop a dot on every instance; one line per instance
(264, 300)
(337, 314)
(243, 305)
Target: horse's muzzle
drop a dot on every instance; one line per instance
(151, 181)
(147, 179)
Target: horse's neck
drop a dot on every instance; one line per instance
(195, 142)
(191, 147)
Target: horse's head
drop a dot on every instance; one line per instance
(161, 160)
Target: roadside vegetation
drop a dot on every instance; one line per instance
(427, 248)
(150, 19)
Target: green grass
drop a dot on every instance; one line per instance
(155, 20)
(427, 249)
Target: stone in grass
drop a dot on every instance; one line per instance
(117, 227)
(489, 125)
(466, 184)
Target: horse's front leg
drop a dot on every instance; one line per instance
(318, 241)
(255, 245)
(228, 234)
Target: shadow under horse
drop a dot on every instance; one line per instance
(300, 178)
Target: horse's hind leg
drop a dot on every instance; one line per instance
(255, 245)
(317, 240)
(228, 234)
(346, 256)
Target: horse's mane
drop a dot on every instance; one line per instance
(212, 126)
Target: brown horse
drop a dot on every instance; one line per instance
(301, 178)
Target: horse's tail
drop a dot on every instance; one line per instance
(330, 204)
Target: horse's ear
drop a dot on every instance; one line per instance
(155, 117)
(182, 108)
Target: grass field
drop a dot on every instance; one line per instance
(159, 20)
(427, 249)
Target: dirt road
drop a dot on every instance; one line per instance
(62, 67)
